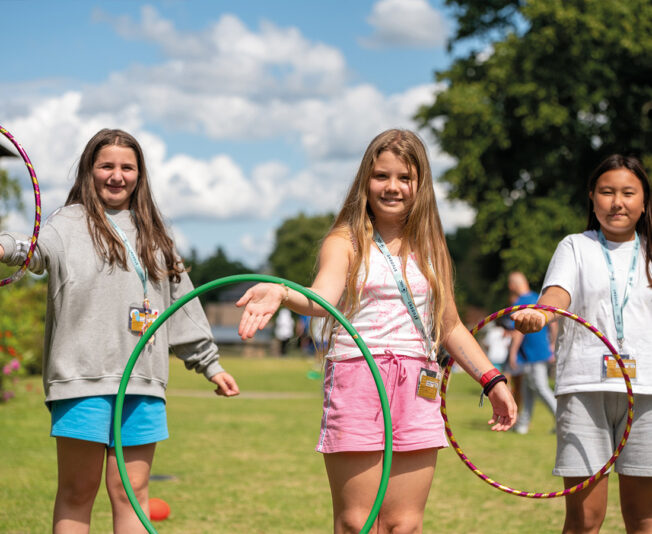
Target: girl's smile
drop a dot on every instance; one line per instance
(115, 175)
(618, 203)
(392, 188)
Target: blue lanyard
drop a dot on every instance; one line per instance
(142, 273)
(405, 293)
(618, 309)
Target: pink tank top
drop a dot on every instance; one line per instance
(383, 321)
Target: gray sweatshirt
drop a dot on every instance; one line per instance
(87, 337)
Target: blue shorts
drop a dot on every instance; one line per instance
(91, 419)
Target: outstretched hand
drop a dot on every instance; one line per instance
(260, 303)
(528, 320)
(504, 408)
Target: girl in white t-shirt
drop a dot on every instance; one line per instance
(387, 233)
(604, 276)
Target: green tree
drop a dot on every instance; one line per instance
(563, 84)
(22, 304)
(297, 244)
(471, 269)
(216, 266)
(22, 320)
(476, 18)
(9, 194)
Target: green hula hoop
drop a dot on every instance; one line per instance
(387, 459)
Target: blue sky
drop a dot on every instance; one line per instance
(248, 112)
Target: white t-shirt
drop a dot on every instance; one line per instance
(579, 267)
(497, 342)
(284, 328)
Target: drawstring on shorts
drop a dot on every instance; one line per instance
(400, 377)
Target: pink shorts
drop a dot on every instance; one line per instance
(353, 417)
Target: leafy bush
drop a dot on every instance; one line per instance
(22, 323)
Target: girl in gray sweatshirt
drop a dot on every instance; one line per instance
(112, 268)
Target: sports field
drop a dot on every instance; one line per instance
(247, 465)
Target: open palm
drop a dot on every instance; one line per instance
(260, 304)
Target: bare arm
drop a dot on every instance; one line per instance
(2, 252)
(553, 331)
(517, 340)
(466, 351)
(529, 320)
(261, 301)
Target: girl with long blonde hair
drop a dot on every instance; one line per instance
(385, 264)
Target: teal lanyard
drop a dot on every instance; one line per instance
(142, 273)
(618, 308)
(405, 293)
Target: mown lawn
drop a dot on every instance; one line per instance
(248, 465)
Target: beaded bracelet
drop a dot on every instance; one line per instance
(287, 293)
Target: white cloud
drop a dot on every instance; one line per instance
(258, 247)
(485, 54)
(216, 188)
(226, 81)
(453, 214)
(406, 23)
(323, 185)
(269, 87)
(181, 241)
(229, 58)
(54, 133)
(343, 126)
(22, 223)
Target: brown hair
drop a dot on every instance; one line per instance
(644, 224)
(152, 234)
(422, 233)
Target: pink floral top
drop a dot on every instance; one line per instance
(383, 321)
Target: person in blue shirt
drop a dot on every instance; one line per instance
(530, 353)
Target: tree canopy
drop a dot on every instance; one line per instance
(216, 266)
(297, 243)
(477, 18)
(22, 303)
(9, 194)
(564, 84)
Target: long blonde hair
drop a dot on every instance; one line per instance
(422, 233)
(152, 234)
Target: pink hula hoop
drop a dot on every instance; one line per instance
(37, 217)
(536, 494)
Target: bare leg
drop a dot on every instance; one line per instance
(585, 510)
(636, 503)
(354, 478)
(138, 461)
(407, 492)
(79, 476)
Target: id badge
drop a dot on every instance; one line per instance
(611, 369)
(141, 318)
(428, 384)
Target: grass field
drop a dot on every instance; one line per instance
(248, 465)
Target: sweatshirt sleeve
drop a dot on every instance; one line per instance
(190, 335)
(16, 247)
(48, 254)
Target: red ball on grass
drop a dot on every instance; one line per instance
(158, 509)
